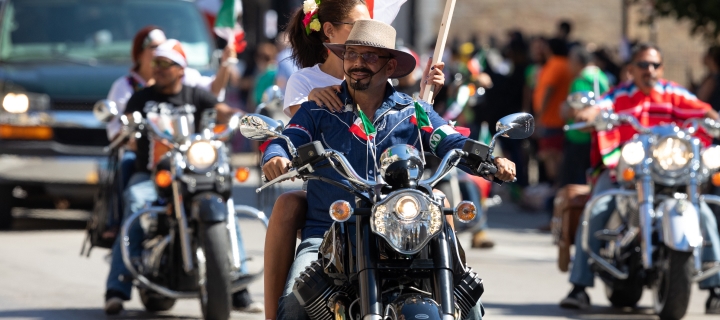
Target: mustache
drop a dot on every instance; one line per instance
(366, 70)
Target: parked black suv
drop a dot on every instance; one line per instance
(57, 58)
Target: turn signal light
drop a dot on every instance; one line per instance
(242, 174)
(25, 133)
(628, 174)
(716, 179)
(466, 211)
(219, 128)
(340, 211)
(163, 178)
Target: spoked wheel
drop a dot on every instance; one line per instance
(214, 271)
(671, 288)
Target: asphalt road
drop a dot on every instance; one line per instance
(42, 275)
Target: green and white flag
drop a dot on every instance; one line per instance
(226, 23)
(421, 119)
(363, 127)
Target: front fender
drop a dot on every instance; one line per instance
(209, 207)
(680, 225)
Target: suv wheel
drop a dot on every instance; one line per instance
(6, 205)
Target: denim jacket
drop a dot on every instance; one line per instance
(392, 122)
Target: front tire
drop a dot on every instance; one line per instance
(671, 289)
(6, 205)
(214, 269)
(154, 302)
(626, 293)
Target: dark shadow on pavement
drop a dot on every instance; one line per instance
(554, 310)
(78, 314)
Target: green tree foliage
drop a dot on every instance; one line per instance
(704, 15)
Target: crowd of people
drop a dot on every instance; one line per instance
(532, 74)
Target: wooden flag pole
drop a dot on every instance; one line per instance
(440, 44)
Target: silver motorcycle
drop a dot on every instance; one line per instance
(190, 246)
(654, 237)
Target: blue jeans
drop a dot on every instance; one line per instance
(581, 274)
(288, 306)
(140, 191)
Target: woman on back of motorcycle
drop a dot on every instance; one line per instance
(318, 81)
(652, 100)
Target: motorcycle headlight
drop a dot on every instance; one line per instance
(407, 220)
(407, 208)
(672, 153)
(711, 157)
(201, 155)
(633, 153)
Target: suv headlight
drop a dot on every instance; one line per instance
(16, 102)
(201, 155)
(407, 220)
(633, 152)
(672, 153)
(711, 157)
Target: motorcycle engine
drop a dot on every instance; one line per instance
(468, 291)
(314, 289)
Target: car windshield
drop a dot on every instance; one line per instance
(87, 31)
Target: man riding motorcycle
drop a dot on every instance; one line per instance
(370, 103)
(652, 100)
(168, 92)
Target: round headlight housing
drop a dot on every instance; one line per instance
(711, 157)
(16, 103)
(672, 153)
(201, 155)
(407, 207)
(633, 153)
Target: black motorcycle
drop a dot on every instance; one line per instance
(190, 246)
(401, 260)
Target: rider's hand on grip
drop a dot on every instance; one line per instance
(275, 167)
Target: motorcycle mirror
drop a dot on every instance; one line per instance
(581, 99)
(104, 110)
(272, 93)
(259, 127)
(516, 126)
(272, 98)
(463, 95)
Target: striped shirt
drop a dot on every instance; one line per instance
(667, 103)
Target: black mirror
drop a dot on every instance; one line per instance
(104, 110)
(516, 126)
(581, 99)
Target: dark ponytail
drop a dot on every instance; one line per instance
(308, 49)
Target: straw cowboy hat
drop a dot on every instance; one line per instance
(377, 34)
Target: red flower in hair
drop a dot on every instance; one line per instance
(308, 17)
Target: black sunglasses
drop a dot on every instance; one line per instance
(369, 57)
(645, 64)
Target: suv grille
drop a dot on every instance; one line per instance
(69, 105)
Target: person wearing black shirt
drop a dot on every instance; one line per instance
(167, 95)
